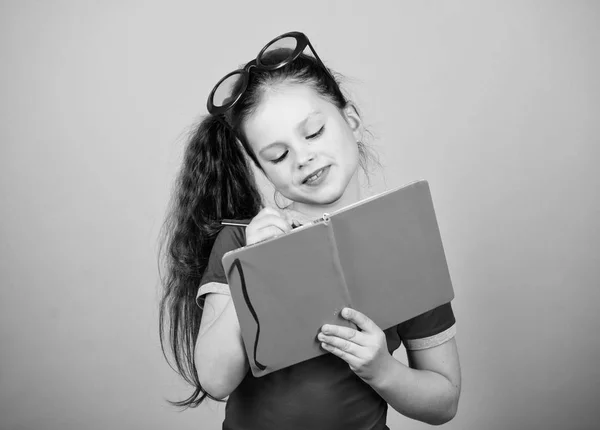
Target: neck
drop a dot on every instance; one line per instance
(351, 195)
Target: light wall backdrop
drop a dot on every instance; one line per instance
(497, 104)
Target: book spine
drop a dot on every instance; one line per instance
(338, 264)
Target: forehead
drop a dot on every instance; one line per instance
(281, 109)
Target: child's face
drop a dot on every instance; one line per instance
(296, 132)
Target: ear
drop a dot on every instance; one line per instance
(352, 118)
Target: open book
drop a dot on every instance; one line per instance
(382, 256)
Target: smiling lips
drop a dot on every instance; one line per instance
(314, 176)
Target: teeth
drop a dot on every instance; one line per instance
(314, 176)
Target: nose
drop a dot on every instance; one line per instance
(305, 155)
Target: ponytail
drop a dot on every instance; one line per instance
(214, 182)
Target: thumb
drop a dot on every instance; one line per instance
(295, 218)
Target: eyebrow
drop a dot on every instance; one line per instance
(301, 124)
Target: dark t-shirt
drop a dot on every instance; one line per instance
(321, 393)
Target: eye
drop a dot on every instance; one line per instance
(280, 159)
(317, 134)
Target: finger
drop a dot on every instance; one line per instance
(347, 333)
(268, 210)
(269, 213)
(268, 223)
(267, 233)
(361, 320)
(344, 345)
(267, 216)
(290, 218)
(297, 217)
(352, 360)
(273, 220)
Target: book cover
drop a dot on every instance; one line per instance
(382, 256)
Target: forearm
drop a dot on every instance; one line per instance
(423, 395)
(220, 356)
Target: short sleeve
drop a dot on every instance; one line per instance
(214, 279)
(429, 329)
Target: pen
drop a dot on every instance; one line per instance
(244, 223)
(235, 222)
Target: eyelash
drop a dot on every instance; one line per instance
(312, 136)
(317, 134)
(280, 159)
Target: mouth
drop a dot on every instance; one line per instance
(315, 175)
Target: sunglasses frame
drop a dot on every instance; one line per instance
(301, 43)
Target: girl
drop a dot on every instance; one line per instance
(285, 112)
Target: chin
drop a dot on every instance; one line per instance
(326, 197)
(333, 198)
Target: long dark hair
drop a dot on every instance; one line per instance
(215, 182)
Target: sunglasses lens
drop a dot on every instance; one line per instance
(228, 90)
(278, 51)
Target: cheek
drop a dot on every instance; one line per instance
(347, 147)
(352, 156)
(344, 137)
(278, 175)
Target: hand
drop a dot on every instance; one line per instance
(365, 351)
(298, 218)
(266, 224)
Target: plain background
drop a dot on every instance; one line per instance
(495, 103)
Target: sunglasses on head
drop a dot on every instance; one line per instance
(230, 88)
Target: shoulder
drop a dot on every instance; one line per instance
(228, 239)
(428, 329)
(214, 279)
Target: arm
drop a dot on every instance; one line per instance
(429, 389)
(219, 352)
